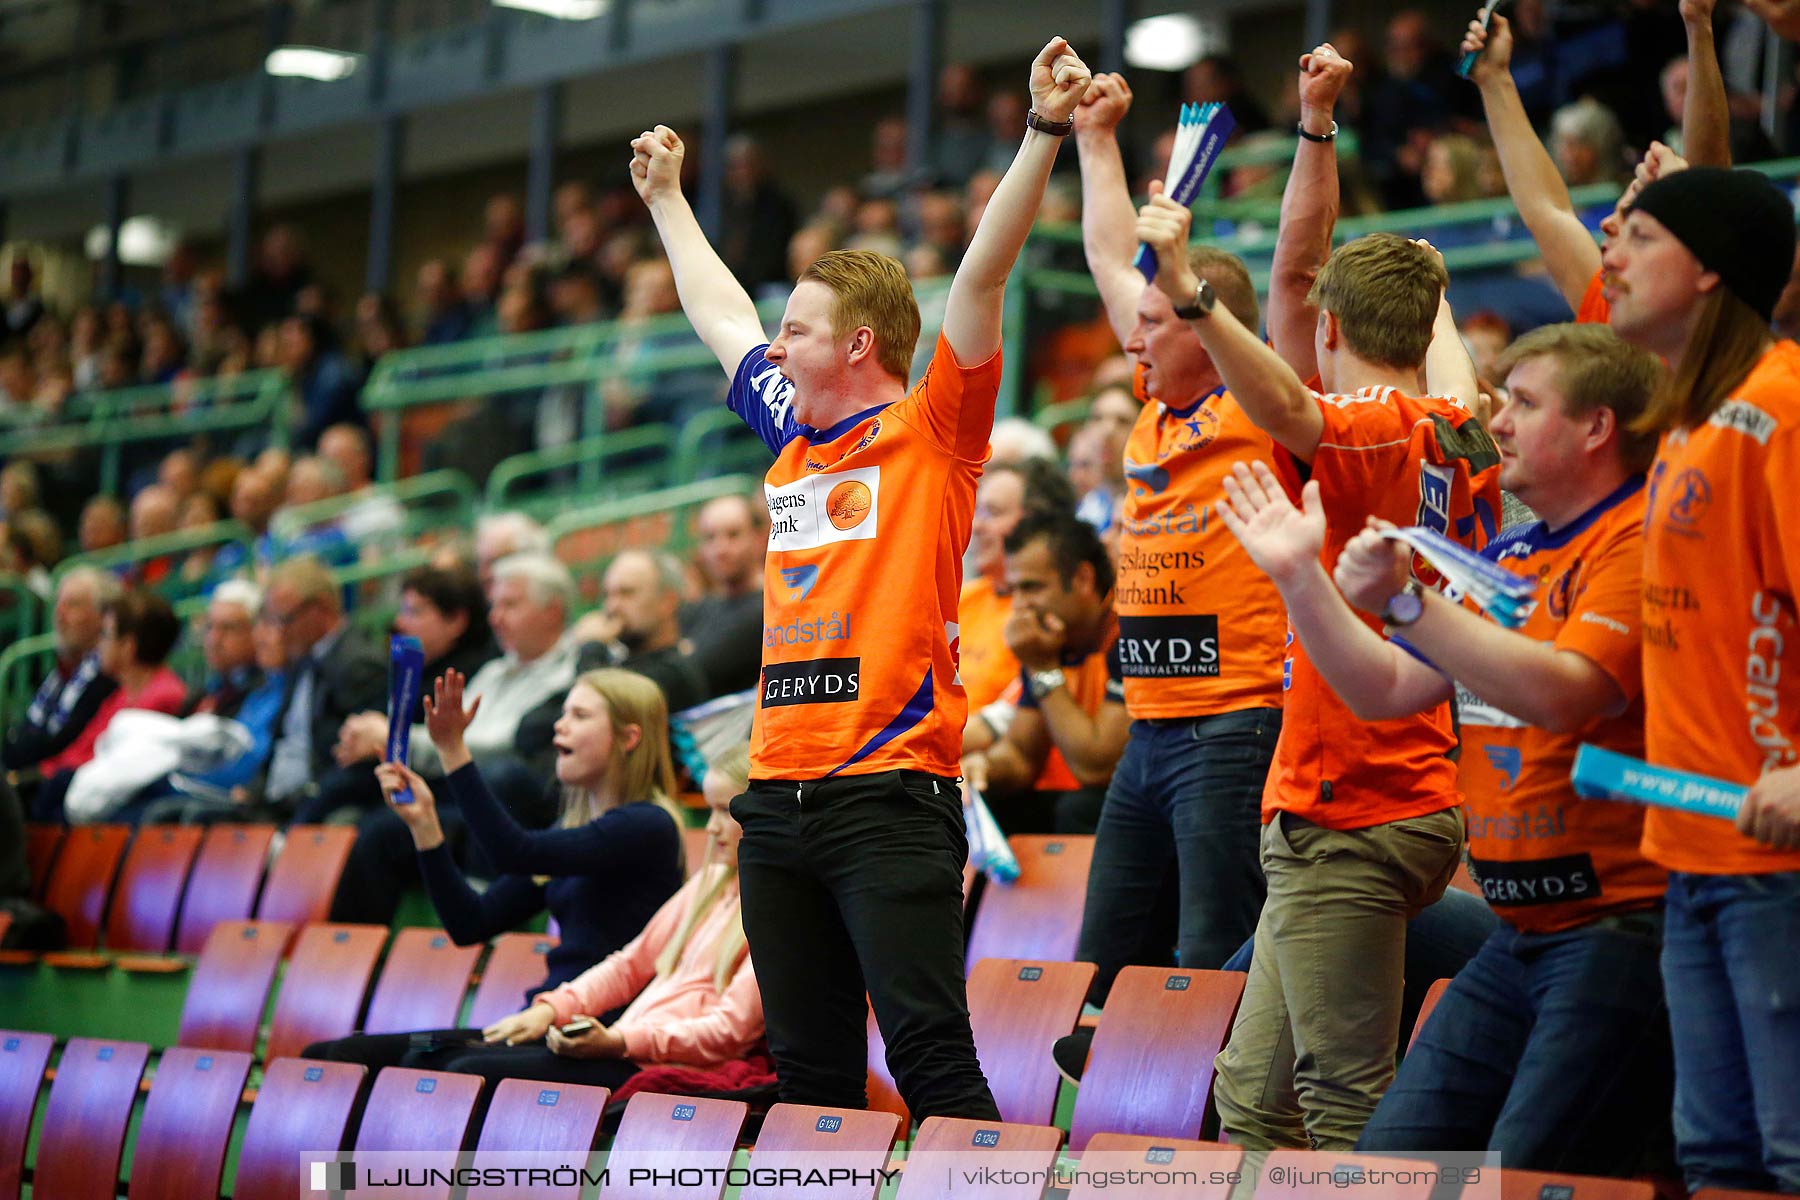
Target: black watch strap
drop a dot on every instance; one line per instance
(1045, 125)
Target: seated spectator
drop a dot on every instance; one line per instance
(443, 317)
(229, 647)
(137, 632)
(1587, 143)
(1097, 472)
(102, 525)
(254, 499)
(35, 544)
(179, 471)
(640, 627)
(1216, 79)
(1051, 767)
(19, 490)
(335, 670)
(682, 992)
(155, 511)
(327, 384)
(759, 218)
(311, 480)
(76, 687)
(375, 515)
(610, 861)
(501, 535)
(724, 627)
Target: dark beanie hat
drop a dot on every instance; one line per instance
(1736, 223)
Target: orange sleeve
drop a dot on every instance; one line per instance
(1364, 447)
(1594, 309)
(1780, 468)
(1605, 617)
(953, 405)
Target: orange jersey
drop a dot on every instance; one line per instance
(868, 523)
(1092, 679)
(1413, 462)
(1546, 859)
(1200, 627)
(988, 666)
(1721, 568)
(1594, 309)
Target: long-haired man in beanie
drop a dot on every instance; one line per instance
(1703, 257)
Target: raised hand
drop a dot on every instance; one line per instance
(521, 1027)
(1059, 80)
(1279, 538)
(1372, 568)
(1494, 46)
(446, 719)
(1323, 74)
(397, 777)
(1696, 12)
(656, 164)
(1163, 226)
(1107, 101)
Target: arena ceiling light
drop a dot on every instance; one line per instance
(1171, 42)
(311, 62)
(143, 242)
(562, 10)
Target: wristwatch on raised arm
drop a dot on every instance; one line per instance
(1044, 682)
(1204, 299)
(1404, 606)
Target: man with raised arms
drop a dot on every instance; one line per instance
(853, 831)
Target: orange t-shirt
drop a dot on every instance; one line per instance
(987, 663)
(868, 523)
(1721, 569)
(1201, 628)
(1092, 679)
(1546, 859)
(1413, 461)
(1594, 309)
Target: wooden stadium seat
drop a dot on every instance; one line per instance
(514, 966)
(1732, 1194)
(1433, 994)
(84, 1123)
(694, 842)
(1038, 915)
(305, 874)
(23, 1057)
(883, 1095)
(1540, 1185)
(227, 873)
(422, 1112)
(1323, 1175)
(1210, 1162)
(5, 924)
(82, 879)
(322, 992)
(180, 1151)
(1151, 1067)
(1018, 1008)
(657, 1131)
(302, 1105)
(527, 1116)
(42, 841)
(229, 988)
(948, 1146)
(150, 885)
(422, 983)
(802, 1137)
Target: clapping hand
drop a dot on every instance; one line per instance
(1280, 538)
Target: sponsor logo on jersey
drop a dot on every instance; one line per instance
(815, 681)
(1169, 647)
(1742, 417)
(800, 580)
(838, 506)
(1537, 880)
(1690, 495)
(1148, 476)
(1508, 760)
(833, 627)
(862, 443)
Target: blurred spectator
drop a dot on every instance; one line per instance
(378, 330)
(940, 216)
(724, 626)
(312, 480)
(503, 226)
(963, 139)
(228, 645)
(759, 217)
(155, 511)
(325, 382)
(198, 511)
(102, 524)
(176, 294)
(501, 535)
(641, 602)
(668, 395)
(443, 314)
(73, 691)
(877, 227)
(255, 495)
(179, 471)
(277, 277)
(1116, 408)
(1416, 94)
(1096, 472)
(1452, 171)
(86, 341)
(23, 305)
(1016, 441)
(980, 191)
(165, 353)
(375, 515)
(480, 286)
(1748, 141)
(808, 246)
(888, 177)
(575, 293)
(447, 612)
(18, 381)
(35, 545)
(571, 200)
(1587, 143)
(1215, 79)
(1006, 110)
(1485, 335)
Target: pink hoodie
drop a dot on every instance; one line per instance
(681, 1018)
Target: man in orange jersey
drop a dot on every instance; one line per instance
(1362, 822)
(1200, 628)
(853, 829)
(1704, 255)
(1052, 765)
(1551, 1045)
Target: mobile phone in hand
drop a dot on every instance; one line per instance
(1467, 62)
(579, 1026)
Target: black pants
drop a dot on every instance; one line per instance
(849, 885)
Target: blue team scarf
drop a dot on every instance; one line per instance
(56, 698)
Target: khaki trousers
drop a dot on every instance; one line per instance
(1312, 1049)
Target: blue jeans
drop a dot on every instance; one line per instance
(1176, 856)
(1550, 1048)
(1731, 962)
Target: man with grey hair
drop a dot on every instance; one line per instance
(75, 687)
(641, 599)
(502, 534)
(229, 647)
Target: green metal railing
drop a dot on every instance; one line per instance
(134, 554)
(22, 665)
(433, 492)
(587, 538)
(603, 467)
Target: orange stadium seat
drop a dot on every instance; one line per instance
(802, 1136)
(305, 875)
(514, 966)
(322, 993)
(150, 886)
(1018, 1008)
(948, 1147)
(1121, 1151)
(422, 983)
(1433, 994)
(302, 1105)
(227, 873)
(657, 1130)
(1151, 1067)
(23, 1057)
(82, 879)
(1039, 914)
(425, 1113)
(1321, 1175)
(1539, 1185)
(229, 988)
(180, 1149)
(526, 1115)
(42, 841)
(883, 1095)
(83, 1137)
